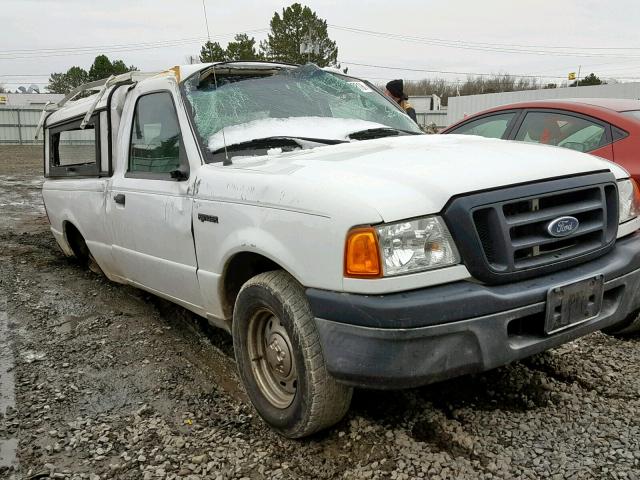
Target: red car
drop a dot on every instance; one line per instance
(608, 128)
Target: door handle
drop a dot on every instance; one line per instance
(119, 198)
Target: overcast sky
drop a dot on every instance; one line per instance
(490, 36)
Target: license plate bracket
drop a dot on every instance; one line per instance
(573, 303)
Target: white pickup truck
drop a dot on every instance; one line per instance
(304, 212)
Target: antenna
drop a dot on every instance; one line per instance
(206, 22)
(215, 81)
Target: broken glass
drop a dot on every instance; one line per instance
(305, 99)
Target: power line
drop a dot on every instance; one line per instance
(92, 47)
(587, 67)
(448, 72)
(497, 48)
(478, 74)
(466, 42)
(136, 44)
(23, 83)
(104, 51)
(91, 50)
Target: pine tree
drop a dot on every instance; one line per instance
(296, 26)
(101, 68)
(65, 82)
(242, 48)
(212, 52)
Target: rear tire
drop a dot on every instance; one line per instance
(81, 251)
(280, 360)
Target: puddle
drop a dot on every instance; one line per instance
(7, 387)
(8, 446)
(8, 451)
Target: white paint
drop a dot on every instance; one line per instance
(402, 177)
(151, 233)
(294, 208)
(188, 70)
(628, 227)
(311, 127)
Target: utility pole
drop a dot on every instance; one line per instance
(578, 79)
(309, 45)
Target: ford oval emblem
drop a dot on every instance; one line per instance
(563, 226)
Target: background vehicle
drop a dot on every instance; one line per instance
(305, 213)
(608, 128)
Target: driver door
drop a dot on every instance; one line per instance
(150, 202)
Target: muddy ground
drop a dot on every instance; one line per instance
(99, 380)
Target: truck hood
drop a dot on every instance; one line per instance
(409, 176)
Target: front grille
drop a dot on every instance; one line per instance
(502, 234)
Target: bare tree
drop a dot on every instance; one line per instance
(471, 86)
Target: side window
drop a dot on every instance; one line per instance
(76, 147)
(562, 130)
(493, 126)
(155, 136)
(74, 151)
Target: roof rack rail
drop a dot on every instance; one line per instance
(105, 83)
(101, 86)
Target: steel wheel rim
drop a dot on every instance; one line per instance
(272, 363)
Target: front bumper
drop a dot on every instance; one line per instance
(414, 338)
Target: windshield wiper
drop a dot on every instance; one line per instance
(275, 142)
(381, 132)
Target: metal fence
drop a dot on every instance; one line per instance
(18, 125)
(439, 117)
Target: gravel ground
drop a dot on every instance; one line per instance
(99, 380)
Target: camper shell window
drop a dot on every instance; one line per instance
(75, 152)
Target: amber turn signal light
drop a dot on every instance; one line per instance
(636, 190)
(362, 255)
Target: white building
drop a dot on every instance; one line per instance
(19, 115)
(35, 100)
(429, 110)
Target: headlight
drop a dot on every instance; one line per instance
(416, 245)
(629, 200)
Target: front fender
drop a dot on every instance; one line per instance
(254, 240)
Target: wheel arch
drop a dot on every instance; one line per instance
(75, 240)
(238, 269)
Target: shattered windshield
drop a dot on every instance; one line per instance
(237, 106)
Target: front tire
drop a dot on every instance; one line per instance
(628, 327)
(280, 360)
